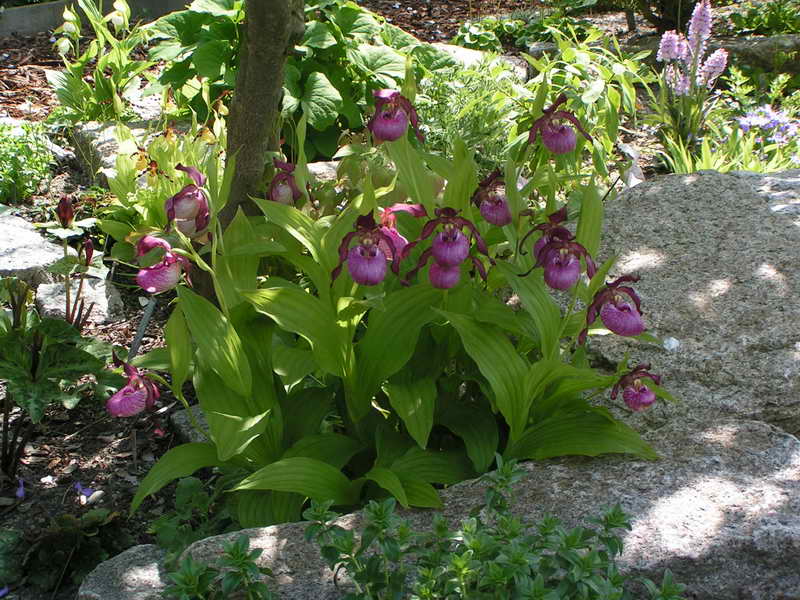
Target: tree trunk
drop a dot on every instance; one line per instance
(271, 29)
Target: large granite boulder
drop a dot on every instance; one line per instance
(24, 253)
(718, 258)
(721, 509)
(105, 298)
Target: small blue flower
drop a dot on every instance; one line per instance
(20, 491)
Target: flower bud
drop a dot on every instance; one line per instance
(63, 46)
(65, 212)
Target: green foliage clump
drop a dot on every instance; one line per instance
(236, 575)
(767, 18)
(493, 555)
(24, 161)
(196, 516)
(72, 546)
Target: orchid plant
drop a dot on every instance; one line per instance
(404, 370)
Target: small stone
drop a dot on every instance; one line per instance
(96, 497)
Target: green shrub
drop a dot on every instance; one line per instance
(24, 161)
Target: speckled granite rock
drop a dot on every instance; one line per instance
(136, 574)
(24, 252)
(721, 510)
(718, 256)
(50, 299)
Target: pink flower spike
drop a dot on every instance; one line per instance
(699, 28)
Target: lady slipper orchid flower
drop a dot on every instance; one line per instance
(492, 204)
(450, 246)
(561, 260)
(557, 136)
(189, 207)
(366, 261)
(283, 188)
(392, 115)
(389, 225)
(619, 308)
(552, 230)
(165, 274)
(635, 393)
(442, 277)
(139, 393)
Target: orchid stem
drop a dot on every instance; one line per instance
(67, 290)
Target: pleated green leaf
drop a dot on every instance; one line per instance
(179, 346)
(421, 494)
(477, 427)
(414, 401)
(390, 482)
(332, 448)
(432, 467)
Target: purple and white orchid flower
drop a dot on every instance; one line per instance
(189, 207)
(551, 230)
(283, 188)
(163, 275)
(389, 225)
(491, 202)
(393, 112)
(619, 308)
(450, 247)
(366, 261)
(138, 394)
(557, 136)
(634, 391)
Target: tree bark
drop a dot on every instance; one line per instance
(271, 30)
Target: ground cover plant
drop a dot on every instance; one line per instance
(24, 161)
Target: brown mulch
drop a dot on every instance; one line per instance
(24, 91)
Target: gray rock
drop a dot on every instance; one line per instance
(718, 259)
(97, 147)
(183, 427)
(720, 509)
(108, 306)
(470, 58)
(136, 574)
(324, 170)
(24, 253)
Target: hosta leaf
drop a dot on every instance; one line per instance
(414, 400)
(218, 345)
(390, 482)
(432, 467)
(332, 448)
(390, 341)
(589, 432)
(299, 312)
(312, 478)
(500, 364)
(178, 462)
(420, 493)
(477, 427)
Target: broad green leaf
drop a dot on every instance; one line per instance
(414, 400)
(178, 462)
(179, 346)
(318, 35)
(390, 341)
(588, 433)
(233, 433)
(119, 231)
(312, 478)
(297, 224)
(261, 508)
(218, 345)
(320, 101)
(216, 8)
(292, 364)
(432, 467)
(536, 299)
(390, 482)
(476, 425)
(590, 224)
(421, 493)
(500, 364)
(303, 412)
(412, 172)
(380, 63)
(332, 448)
(299, 312)
(209, 58)
(237, 272)
(463, 184)
(355, 21)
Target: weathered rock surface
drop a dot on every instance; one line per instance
(24, 253)
(51, 299)
(97, 147)
(136, 574)
(182, 423)
(718, 256)
(720, 509)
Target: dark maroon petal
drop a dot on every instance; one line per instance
(632, 294)
(423, 259)
(537, 125)
(65, 212)
(622, 318)
(638, 397)
(196, 176)
(444, 277)
(283, 166)
(366, 264)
